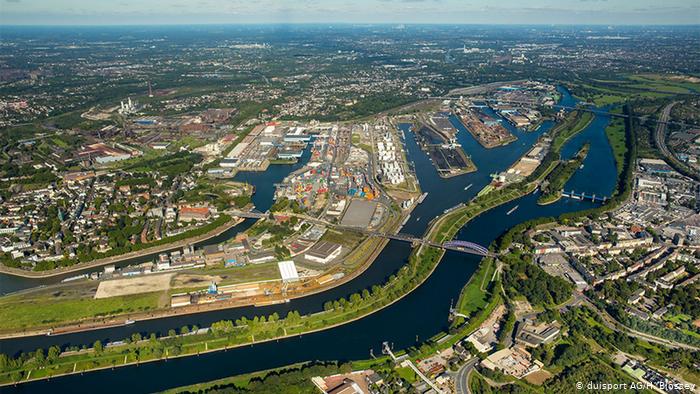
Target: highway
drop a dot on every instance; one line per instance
(660, 142)
(660, 133)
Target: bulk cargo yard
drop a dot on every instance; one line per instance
(437, 137)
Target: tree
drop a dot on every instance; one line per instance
(365, 294)
(54, 352)
(4, 362)
(355, 298)
(222, 327)
(98, 347)
(39, 358)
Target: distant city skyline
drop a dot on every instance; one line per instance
(124, 12)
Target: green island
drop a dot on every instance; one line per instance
(551, 190)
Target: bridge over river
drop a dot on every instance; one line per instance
(455, 245)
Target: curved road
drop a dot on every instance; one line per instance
(660, 133)
(615, 325)
(462, 378)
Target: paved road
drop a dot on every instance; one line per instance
(462, 378)
(660, 137)
(660, 133)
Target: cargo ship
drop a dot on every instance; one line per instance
(72, 278)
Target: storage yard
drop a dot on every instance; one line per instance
(447, 155)
(488, 131)
(126, 286)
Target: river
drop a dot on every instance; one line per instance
(421, 314)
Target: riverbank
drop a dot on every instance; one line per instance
(363, 255)
(230, 223)
(90, 357)
(422, 264)
(371, 251)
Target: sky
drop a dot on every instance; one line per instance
(145, 12)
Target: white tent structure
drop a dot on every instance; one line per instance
(288, 271)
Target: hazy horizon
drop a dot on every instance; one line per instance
(206, 12)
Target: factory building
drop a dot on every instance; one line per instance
(323, 252)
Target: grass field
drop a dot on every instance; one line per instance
(616, 136)
(665, 83)
(569, 130)
(22, 312)
(606, 95)
(474, 295)
(679, 318)
(407, 374)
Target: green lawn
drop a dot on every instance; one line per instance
(407, 374)
(474, 295)
(23, 312)
(663, 83)
(679, 318)
(616, 136)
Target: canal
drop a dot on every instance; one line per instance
(420, 315)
